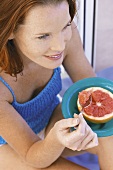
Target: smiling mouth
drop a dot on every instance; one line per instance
(55, 57)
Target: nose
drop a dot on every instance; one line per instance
(58, 43)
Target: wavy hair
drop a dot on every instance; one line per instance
(12, 14)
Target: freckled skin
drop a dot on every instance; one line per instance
(41, 36)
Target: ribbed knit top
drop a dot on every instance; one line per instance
(37, 112)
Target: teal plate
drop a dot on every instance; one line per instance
(69, 102)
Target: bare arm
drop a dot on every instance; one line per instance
(38, 153)
(42, 153)
(75, 62)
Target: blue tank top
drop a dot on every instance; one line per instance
(37, 112)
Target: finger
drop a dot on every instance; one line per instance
(79, 143)
(87, 139)
(75, 145)
(67, 123)
(82, 125)
(76, 135)
(92, 143)
(82, 117)
(95, 139)
(76, 115)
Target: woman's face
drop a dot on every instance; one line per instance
(43, 36)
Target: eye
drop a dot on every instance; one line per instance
(43, 36)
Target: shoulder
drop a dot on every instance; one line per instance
(5, 94)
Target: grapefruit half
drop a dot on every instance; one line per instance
(96, 104)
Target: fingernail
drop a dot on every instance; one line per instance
(75, 115)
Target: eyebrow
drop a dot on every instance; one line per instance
(50, 32)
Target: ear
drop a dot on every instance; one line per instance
(11, 36)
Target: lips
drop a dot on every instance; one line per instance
(55, 57)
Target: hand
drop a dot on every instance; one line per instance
(80, 139)
(90, 138)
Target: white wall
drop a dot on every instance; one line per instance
(85, 25)
(104, 36)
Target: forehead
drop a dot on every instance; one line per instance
(47, 16)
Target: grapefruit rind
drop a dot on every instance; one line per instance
(93, 119)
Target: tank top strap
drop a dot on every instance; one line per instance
(10, 89)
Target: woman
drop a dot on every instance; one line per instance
(36, 37)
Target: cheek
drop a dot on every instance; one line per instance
(40, 46)
(36, 49)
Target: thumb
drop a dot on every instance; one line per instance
(70, 122)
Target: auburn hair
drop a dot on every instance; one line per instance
(12, 14)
